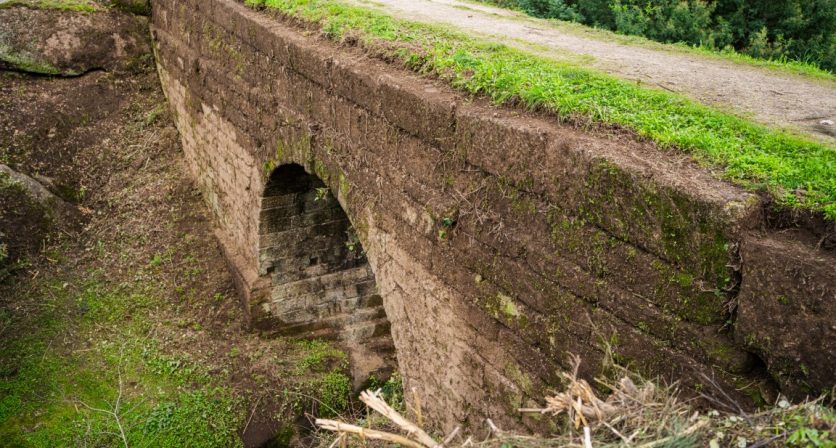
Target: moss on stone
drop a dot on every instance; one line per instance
(224, 50)
(514, 373)
(699, 307)
(721, 352)
(268, 168)
(683, 279)
(26, 62)
(503, 307)
(322, 171)
(138, 7)
(344, 186)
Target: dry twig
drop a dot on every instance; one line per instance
(417, 437)
(115, 411)
(373, 400)
(579, 400)
(365, 433)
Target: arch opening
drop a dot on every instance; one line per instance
(321, 283)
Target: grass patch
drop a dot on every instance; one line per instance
(324, 384)
(56, 393)
(783, 64)
(798, 172)
(63, 5)
(391, 390)
(333, 391)
(138, 7)
(319, 355)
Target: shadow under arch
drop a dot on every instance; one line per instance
(321, 284)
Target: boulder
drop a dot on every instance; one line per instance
(34, 189)
(27, 211)
(67, 42)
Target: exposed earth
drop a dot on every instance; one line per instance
(766, 95)
(127, 288)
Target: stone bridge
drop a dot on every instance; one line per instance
(360, 202)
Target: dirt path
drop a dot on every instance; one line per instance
(768, 96)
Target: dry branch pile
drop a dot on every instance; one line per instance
(635, 413)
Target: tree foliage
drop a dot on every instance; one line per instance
(801, 30)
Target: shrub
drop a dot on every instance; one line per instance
(665, 20)
(550, 9)
(800, 30)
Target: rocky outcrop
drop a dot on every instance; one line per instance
(34, 189)
(68, 43)
(27, 210)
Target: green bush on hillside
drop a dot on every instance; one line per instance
(799, 30)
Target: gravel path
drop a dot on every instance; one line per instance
(769, 96)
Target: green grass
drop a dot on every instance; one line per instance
(139, 7)
(785, 65)
(52, 395)
(332, 392)
(319, 355)
(64, 5)
(59, 381)
(325, 367)
(797, 171)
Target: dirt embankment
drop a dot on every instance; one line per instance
(122, 290)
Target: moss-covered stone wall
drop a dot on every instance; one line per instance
(500, 239)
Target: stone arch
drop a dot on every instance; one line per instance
(321, 284)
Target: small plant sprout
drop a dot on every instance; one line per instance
(353, 241)
(321, 194)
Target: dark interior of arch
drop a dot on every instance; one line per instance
(322, 285)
